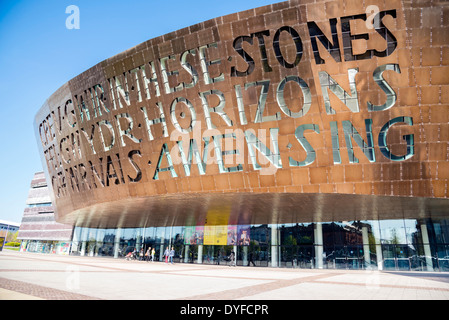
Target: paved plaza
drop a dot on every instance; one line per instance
(53, 277)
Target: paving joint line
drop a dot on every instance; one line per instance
(382, 285)
(41, 291)
(257, 289)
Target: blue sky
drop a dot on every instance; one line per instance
(38, 54)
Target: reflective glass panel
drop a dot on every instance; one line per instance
(441, 229)
(392, 231)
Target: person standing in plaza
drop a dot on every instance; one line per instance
(147, 254)
(166, 254)
(153, 251)
(251, 259)
(141, 254)
(172, 254)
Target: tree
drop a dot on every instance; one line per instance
(12, 237)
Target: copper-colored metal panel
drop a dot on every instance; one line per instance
(295, 111)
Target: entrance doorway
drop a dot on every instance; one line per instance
(396, 257)
(349, 257)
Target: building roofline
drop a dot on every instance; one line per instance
(15, 224)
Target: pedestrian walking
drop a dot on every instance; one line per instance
(166, 254)
(147, 254)
(153, 251)
(251, 259)
(172, 254)
(141, 254)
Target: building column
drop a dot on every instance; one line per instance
(274, 246)
(318, 236)
(98, 239)
(170, 238)
(235, 248)
(92, 235)
(245, 255)
(75, 240)
(84, 234)
(366, 252)
(162, 248)
(138, 240)
(427, 251)
(117, 242)
(200, 254)
(186, 253)
(380, 260)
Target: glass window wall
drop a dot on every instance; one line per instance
(402, 244)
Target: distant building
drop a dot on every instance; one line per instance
(39, 231)
(8, 227)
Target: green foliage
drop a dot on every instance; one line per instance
(12, 244)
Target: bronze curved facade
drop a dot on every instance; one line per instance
(291, 112)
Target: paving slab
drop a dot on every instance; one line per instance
(55, 277)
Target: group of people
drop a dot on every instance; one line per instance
(149, 254)
(169, 254)
(232, 259)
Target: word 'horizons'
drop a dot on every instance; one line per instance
(86, 140)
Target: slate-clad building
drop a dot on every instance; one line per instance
(39, 232)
